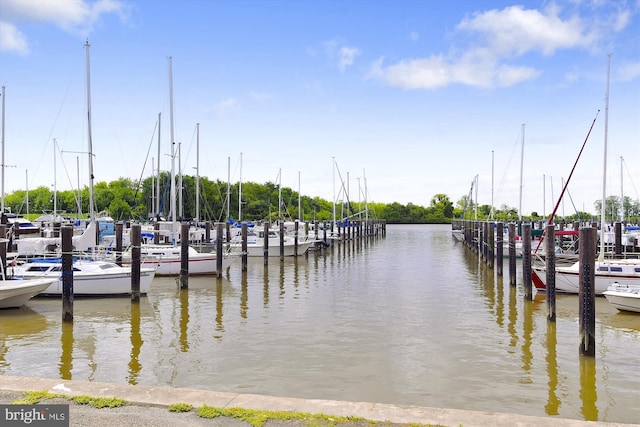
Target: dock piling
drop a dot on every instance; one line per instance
(135, 262)
(67, 273)
(586, 293)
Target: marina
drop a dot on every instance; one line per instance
(414, 318)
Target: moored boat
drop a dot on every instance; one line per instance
(255, 244)
(90, 277)
(168, 260)
(623, 271)
(15, 293)
(624, 297)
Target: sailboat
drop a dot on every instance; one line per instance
(167, 257)
(607, 272)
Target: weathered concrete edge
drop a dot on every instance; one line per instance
(165, 396)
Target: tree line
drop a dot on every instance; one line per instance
(125, 199)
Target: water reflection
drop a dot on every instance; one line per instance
(136, 345)
(184, 320)
(66, 355)
(553, 403)
(244, 295)
(588, 393)
(513, 316)
(219, 310)
(527, 328)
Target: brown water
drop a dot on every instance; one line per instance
(412, 318)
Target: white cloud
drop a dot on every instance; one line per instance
(347, 55)
(622, 19)
(629, 71)
(515, 31)
(11, 39)
(438, 71)
(494, 39)
(338, 52)
(74, 16)
(226, 105)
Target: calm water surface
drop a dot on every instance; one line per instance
(412, 318)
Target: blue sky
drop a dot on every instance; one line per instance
(410, 98)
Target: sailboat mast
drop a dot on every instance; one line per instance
(90, 142)
(279, 194)
(476, 204)
(197, 172)
(2, 166)
(621, 191)
(300, 215)
(366, 197)
(604, 169)
(180, 202)
(55, 181)
(79, 191)
(26, 179)
(228, 187)
(173, 157)
(158, 168)
(521, 172)
(240, 192)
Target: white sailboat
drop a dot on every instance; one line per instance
(167, 257)
(625, 272)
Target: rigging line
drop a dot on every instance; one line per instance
(624, 163)
(517, 143)
(193, 137)
(553, 213)
(76, 195)
(573, 204)
(144, 166)
(49, 137)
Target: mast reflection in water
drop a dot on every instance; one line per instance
(412, 318)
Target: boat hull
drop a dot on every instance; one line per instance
(15, 293)
(167, 260)
(256, 249)
(624, 298)
(102, 285)
(624, 272)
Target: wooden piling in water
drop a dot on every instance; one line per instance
(295, 237)
(512, 253)
(3, 248)
(586, 294)
(184, 255)
(618, 239)
(491, 245)
(67, 273)
(324, 232)
(245, 255)
(281, 240)
(265, 243)
(499, 247)
(119, 230)
(219, 231)
(526, 260)
(135, 262)
(550, 260)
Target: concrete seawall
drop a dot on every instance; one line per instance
(150, 398)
